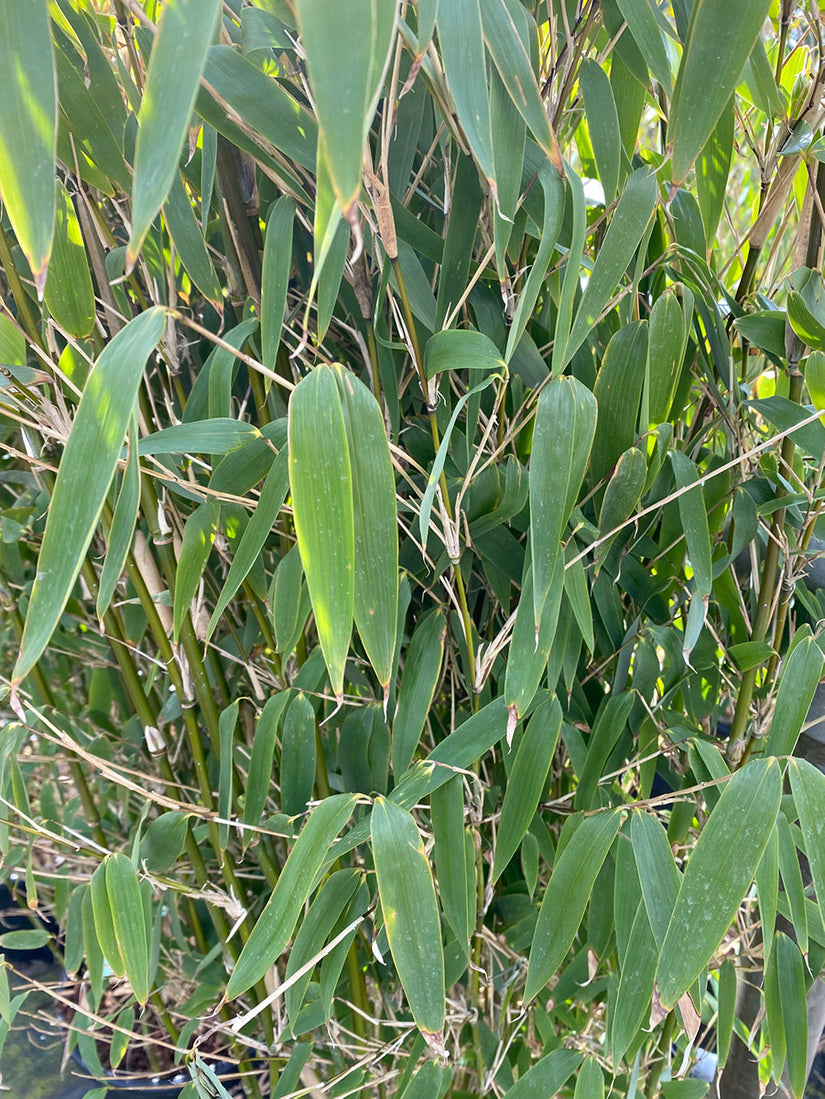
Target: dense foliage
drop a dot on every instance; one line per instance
(411, 480)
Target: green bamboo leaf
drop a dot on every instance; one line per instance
(627, 227)
(526, 782)
(722, 866)
(89, 462)
(801, 673)
(552, 185)
(320, 476)
(462, 227)
(129, 924)
(784, 414)
(713, 169)
(12, 343)
(508, 150)
(298, 756)
(454, 872)
(103, 923)
(226, 734)
(460, 349)
(408, 904)
(530, 648)
(773, 1012)
(375, 532)
(264, 104)
(562, 438)
(632, 1006)
(727, 1010)
(618, 392)
(462, 49)
(658, 875)
(808, 788)
(347, 50)
(694, 516)
(570, 287)
(607, 728)
(259, 779)
(566, 897)
(603, 125)
(178, 57)
(332, 899)
(422, 671)
(804, 323)
(289, 602)
(218, 435)
(622, 495)
(431, 1081)
(122, 531)
(187, 236)
(767, 890)
(263, 518)
(792, 881)
(70, 296)
(719, 41)
(790, 971)
(815, 378)
(665, 353)
(590, 1081)
(643, 23)
(198, 537)
(164, 841)
(512, 59)
(275, 276)
(577, 593)
(276, 923)
(547, 1077)
(91, 937)
(28, 130)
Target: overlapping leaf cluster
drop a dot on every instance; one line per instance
(408, 530)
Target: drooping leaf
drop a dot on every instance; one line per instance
(407, 894)
(422, 670)
(275, 276)
(86, 471)
(462, 47)
(129, 924)
(719, 41)
(69, 293)
(320, 476)
(276, 923)
(28, 129)
(722, 866)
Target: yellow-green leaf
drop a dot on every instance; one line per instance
(69, 294)
(129, 922)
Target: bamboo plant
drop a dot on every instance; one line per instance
(412, 474)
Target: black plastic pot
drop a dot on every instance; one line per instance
(153, 1087)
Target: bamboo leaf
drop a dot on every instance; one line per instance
(263, 751)
(276, 923)
(289, 601)
(566, 897)
(187, 237)
(226, 731)
(275, 276)
(530, 648)
(263, 518)
(129, 923)
(460, 349)
(103, 927)
(86, 471)
(792, 881)
(178, 57)
(526, 782)
(407, 895)
(665, 353)
(122, 531)
(627, 227)
(773, 1012)
(507, 49)
(454, 872)
(714, 168)
(28, 129)
(618, 392)
(321, 480)
(462, 48)
(562, 438)
(198, 538)
(547, 1076)
(643, 24)
(70, 296)
(657, 871)
(623, 492)
(694, 516)
(727, 1010)
(347, 50)
(218, 435)
(590, 1081)
(635, 983)
(298, 756)
(422, 670)
(603, 125)
(790, 971)
(375, 533)
(721, 866)
(808, 788)
(801, 672)
(767, 889)
(719, 41)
